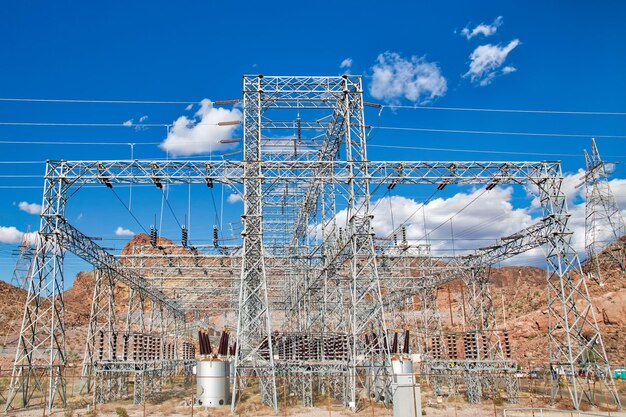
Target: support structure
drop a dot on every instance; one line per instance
(604, 223)
(308, 287)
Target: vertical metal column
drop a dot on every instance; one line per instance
(604, 223)
(40, 360)
(367, 361)
(254, 344)
(575, 341)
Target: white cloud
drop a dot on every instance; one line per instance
(483, 29)
(200, 134)
(508, 69)
(189, 107)
(128, 122)
(30, 208)
(346, 63)
(491, 216)
(414, 79)
(487, 59)
(234, 198)
(120, 231)
(143, 118)
(10, 234)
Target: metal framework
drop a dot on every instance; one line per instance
(604, 223)
(309, 291)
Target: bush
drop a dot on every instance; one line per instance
(121, 411)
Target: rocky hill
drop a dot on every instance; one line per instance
(519, 296)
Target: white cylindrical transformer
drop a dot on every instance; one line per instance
(402, 370)
(406, 393)
(213, 382)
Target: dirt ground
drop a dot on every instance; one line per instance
(177, 403)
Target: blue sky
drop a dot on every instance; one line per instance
(543, 55)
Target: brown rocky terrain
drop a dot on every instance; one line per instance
(519, 296)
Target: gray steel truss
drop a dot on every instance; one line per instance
(604, 223)
(299, 263)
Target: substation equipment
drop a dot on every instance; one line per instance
(312, 302)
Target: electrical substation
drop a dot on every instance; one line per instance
(312, 302)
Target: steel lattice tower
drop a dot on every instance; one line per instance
(308, 272)
(604, 223)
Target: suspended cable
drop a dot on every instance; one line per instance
(129, 211)
(500, 133)
(390, 106)
(167, 201)
(492, 110)
(455, 214)
(418, 148)
(123, 124)
(62, 100)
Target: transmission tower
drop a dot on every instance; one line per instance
(24, 262)
(308, 289)
(604, 223)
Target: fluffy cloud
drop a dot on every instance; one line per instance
(483, 29)
(30, 208)
(492, 215)
(120, 231)
(478, 224)
(234, 198)
(346, 63)
(415, 79)
(201, 134)
(11, 235)
(486, 61)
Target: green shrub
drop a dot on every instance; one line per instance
(121, 411)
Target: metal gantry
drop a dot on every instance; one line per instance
(604, 223)
(310, 293)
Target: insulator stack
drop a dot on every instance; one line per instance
(394, 344)
(486, 343)
(101, 347)
(405, 348)
(148, 351)
(183, 238)
(340, 234)
(114, 346)
(189, 351)
(216, 241)
(375, 347)
(470, 345)
(395, 239)
(143, 351)
(435, 347)
(153, 236)
(451, 341)
(404, 241)
(125, 348)
(135, 348)
(507, 344)
(223, 346)
(385, 344)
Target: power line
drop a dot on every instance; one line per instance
(487, 132)
(61, 100)
(492, 110)
(123, 124)
(478, 151)
(391, 106)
